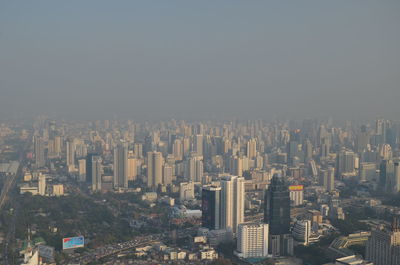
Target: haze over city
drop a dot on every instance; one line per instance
(200, 60)
(199, 132)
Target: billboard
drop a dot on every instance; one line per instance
(73, 242)
(296, 187)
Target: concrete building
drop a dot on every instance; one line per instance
(252, 240)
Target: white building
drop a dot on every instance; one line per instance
(42, 185)
(186, 191)
(252, 240)
(232, 202)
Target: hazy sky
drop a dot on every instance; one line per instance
(200, 59)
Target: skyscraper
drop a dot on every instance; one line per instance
(96, 172)
(89, 167)
(277, 215)
(121, 166)
(39, 152)
(345, 163)
(132, 168)
(70, 155)
(211, 207)
(154, 169)
(195, 169)
(232, 202)
(277, 206)
(198, 144)
(251, 148)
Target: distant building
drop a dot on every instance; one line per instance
(186, 191)
(296, 195)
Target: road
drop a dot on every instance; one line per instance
(114, 249)
(8, 186)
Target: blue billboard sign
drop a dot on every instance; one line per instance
(73, 242)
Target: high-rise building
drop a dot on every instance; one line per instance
(296, 195)
(195, 169)
(198, 144)
(96, 172)
(277, 215)
(132, 168)
(39, 152)
(383, 247)
(251, 148)
(232, 202)
(186, 191)
(277, 206)
(386, 175)
(252, 240)
(177, 149)
(82, 169)
(121, 166)
(42, 185)
(345, 163)
(211, 207)
(70, 155)
(154, 169)
(327, 178)
(367, 171)
(89, 167)
(168, 172)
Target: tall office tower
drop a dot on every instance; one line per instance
(42, 185)
(177, 149)
(362, 141)
(277, 206)
(328, 179)
(277, 215)
(70, 154)
(195, 169)
(186, 191)
(39, 152)
(292, 151)
(396, 186)
(168, 173)
(383, 247)
(232, 202)
(236, 166)
(325, 146)
(186, 146)
(96, 173)
(154, 169)
(89, 167)
(82, 169)
(57, 145)
(121, 166)
(345, 163)
(198, 144)
(251, 148)
(252, 240)
(302, 231)
(132, 168)
(367, 171)
(211, 207)
(386, 175)
(138, 150)
(307, 149)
